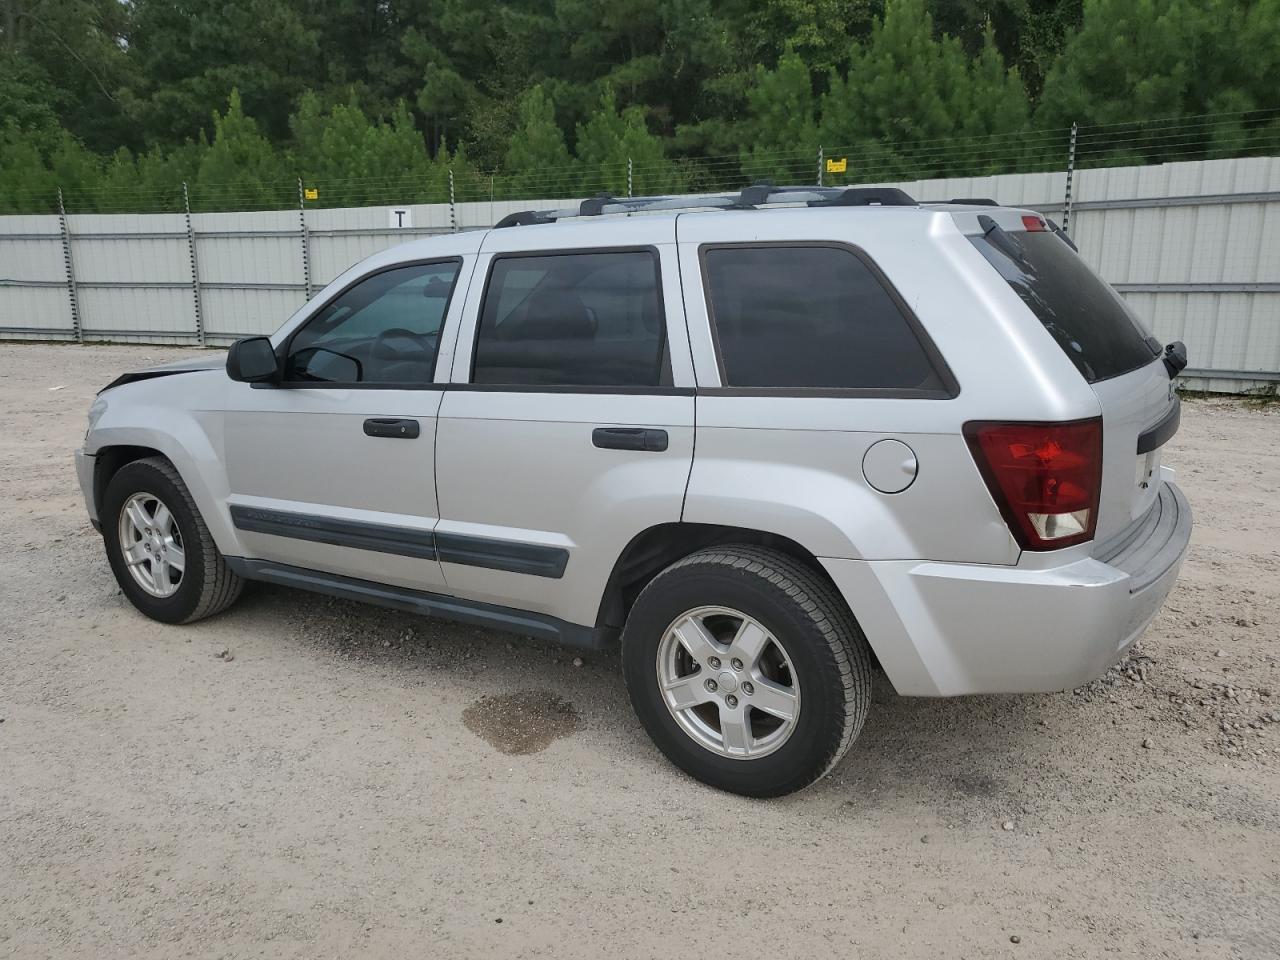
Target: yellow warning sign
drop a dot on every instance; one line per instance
(311, 193)
(838, 166)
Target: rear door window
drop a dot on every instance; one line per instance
(815, 316)
(1090, 322)
(585, 319)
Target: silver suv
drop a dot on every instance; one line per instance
(762, 444)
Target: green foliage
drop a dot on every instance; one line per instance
(1166, 58)
(120, 103)
(908, 94)
(240, 169)
(353, 160)
(781, 118)
(611, 138)
(537, 151)
(27, 185)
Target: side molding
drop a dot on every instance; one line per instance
(428, 604)
(403, 541)
(533, 559)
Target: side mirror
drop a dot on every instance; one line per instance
(253, 360)
(325, 366)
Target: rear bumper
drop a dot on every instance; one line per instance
(944, 629)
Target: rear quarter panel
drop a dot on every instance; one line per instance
(791, 464)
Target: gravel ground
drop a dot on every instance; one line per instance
(304, 777)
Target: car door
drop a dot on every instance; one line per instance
(568, 425)
(333, 469)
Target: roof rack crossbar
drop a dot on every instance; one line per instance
(866, 197)
(749, 198)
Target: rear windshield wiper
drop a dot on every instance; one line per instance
(1062, 235)
(1001, 239)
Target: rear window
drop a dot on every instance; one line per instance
(813, 316)
(1091, 323)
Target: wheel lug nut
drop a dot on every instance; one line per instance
(731, 700)
(737, 664)
(748, 688)
(712, 686)
(713, 663)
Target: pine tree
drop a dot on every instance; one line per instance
(538, 163)
(240, 169)
(609, 139)
(781, 120)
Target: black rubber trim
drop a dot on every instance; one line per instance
(530, 558)
(566, 388)
(381, 538)
(1160, 434)
(473, 612)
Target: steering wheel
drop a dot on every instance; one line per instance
(382, 349)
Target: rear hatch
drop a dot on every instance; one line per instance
(1108, 344)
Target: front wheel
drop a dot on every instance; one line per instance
(747, 669)
(159, 548)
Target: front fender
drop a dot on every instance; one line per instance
(182, 427)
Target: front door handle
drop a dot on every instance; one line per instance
(630, 438)
(394, 429)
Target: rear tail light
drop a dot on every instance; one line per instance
(1044, 477)
(1033, 224)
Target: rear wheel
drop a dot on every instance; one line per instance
(159, 548)
(747, 669)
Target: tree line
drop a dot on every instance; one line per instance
(120, 103)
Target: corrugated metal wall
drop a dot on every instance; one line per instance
(1195, 247)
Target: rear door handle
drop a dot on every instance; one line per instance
(394, 429)
(630, 438)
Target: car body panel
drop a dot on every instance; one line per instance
(505, 499)
(519, 466)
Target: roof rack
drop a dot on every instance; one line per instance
(749, 198)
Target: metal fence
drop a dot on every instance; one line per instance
(1194, 246)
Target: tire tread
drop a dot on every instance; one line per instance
(221, 585)
(817, 597)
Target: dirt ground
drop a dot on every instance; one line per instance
(300, 777)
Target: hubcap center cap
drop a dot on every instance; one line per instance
(727, 681)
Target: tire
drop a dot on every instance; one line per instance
(204, 586)
(814, 649)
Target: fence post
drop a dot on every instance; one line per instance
(72, 293)
(630, 181)
(819, 164)
(1071, 169)
(306, 240)
(453, 209)
(195, 269)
